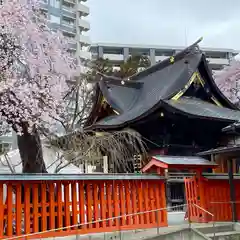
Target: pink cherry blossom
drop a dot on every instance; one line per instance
(34, 65)
(228, 81)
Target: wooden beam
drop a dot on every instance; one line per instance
(232, 190)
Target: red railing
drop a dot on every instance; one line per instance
(38, 203)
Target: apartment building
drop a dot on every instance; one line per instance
(118, 53)
(69, 16)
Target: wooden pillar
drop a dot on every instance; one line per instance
(201, 196)
(232, 190)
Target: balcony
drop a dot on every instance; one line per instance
(84, 54)
(72, 45)
(113, 57)
(84, 40)
(83, 24)
(68, 12)
(161, 58)
(218, 61)
(43, 6)
(83, 9)
(68, 29)
(69, 1)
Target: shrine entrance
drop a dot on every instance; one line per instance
(176, 169)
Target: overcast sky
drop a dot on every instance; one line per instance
(166, 22)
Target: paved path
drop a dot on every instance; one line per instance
(175, 221)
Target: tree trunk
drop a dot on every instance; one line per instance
(31, 152)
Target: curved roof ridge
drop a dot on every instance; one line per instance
(166, 62)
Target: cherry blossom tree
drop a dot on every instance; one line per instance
(228, 81)
(34, 70)
(36, 81)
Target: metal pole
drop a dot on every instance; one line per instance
(120, 230)
(157, 218)
(214, 230)
(232, 190)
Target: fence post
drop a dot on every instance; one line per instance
(201, 193)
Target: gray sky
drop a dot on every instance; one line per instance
(166, 22)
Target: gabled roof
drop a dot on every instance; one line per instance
(145, 92)
(178, 162)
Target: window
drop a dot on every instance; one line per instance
(55, 3)
(55, 19)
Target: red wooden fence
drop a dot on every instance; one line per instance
(39, 204)
(213, 195)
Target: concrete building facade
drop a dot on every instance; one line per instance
(69, 16)
(118, 53)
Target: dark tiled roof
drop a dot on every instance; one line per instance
(190, 106)
(200, 108)
(159, 85)
(152, 88)
(232, 150)
(232, 128)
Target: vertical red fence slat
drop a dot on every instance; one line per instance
(74, 204)
(43, 206)
(163, 204)
(146, 202)
(81, 204)
(152, 203)
(89, 204)
(158, 203)
(116, 201)
(122, 204)
(103, 204)
(27, 219)
(128, 202)
(18, 209)
(59, 206)
(9, 209)
(135, 201)
(109, 203)
(96, 205)
(35, 206)
(140, 202)
(66, 206)
(52, 209)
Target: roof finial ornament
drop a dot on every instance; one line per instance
(172, 59)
